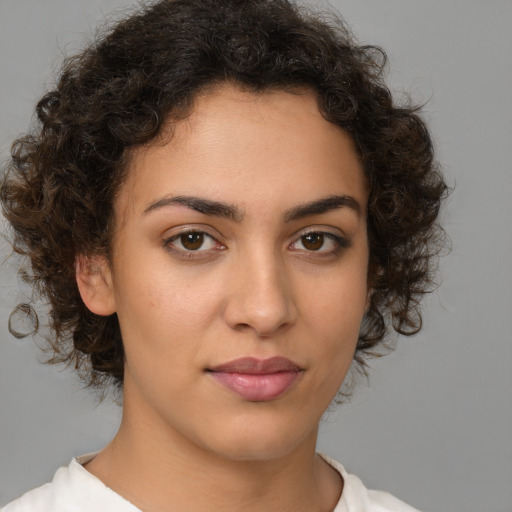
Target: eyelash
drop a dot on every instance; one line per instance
(187, 253)
(340, 244)
(339, 241)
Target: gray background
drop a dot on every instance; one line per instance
(433, 426)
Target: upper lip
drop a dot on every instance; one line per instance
(254, 366)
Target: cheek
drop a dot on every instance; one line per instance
(332, 314)
(169, 310)
(333, 320)
(338, 305)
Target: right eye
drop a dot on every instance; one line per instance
(193, 244)
(192, 241)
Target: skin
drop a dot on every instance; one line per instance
(256, 287)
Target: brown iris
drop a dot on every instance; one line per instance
(192, 241)
(313, 241)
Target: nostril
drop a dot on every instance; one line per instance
(260, 298)
(242, 327)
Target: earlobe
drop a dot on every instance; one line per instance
(94, 280)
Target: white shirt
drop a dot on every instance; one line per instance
(74, 489)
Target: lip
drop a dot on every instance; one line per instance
(257, 380)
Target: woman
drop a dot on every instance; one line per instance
(225, 210)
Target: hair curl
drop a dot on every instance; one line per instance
(62, 179)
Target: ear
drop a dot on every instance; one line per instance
(94, 280)
(368, 300)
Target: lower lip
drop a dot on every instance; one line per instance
(258, 387)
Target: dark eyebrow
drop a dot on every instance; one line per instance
(215, 208)
(201, 205)
(322, 206)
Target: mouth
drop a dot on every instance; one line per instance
(257, 380)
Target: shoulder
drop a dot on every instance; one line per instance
(73, 489)
(357, 498)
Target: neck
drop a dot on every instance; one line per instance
(157, 469)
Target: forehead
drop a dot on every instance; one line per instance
(247, 148)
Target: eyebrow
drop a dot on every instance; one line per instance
(199, 204)
(322, 206)
(232, 212)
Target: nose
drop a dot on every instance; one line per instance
(260, 297)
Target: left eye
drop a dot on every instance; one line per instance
(191, 241)
(319, 242)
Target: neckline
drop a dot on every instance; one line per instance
(77, 464)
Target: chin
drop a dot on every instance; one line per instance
(257, 451)
(261, 442)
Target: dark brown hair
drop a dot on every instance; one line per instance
(62, 179)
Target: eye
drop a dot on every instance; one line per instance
(320, 242)
(192, 241)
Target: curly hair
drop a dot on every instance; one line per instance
(61, 181)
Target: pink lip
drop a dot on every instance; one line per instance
(257, 380)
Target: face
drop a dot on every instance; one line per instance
(239, 273)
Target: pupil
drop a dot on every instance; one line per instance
(313, 241)
(192, 241)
